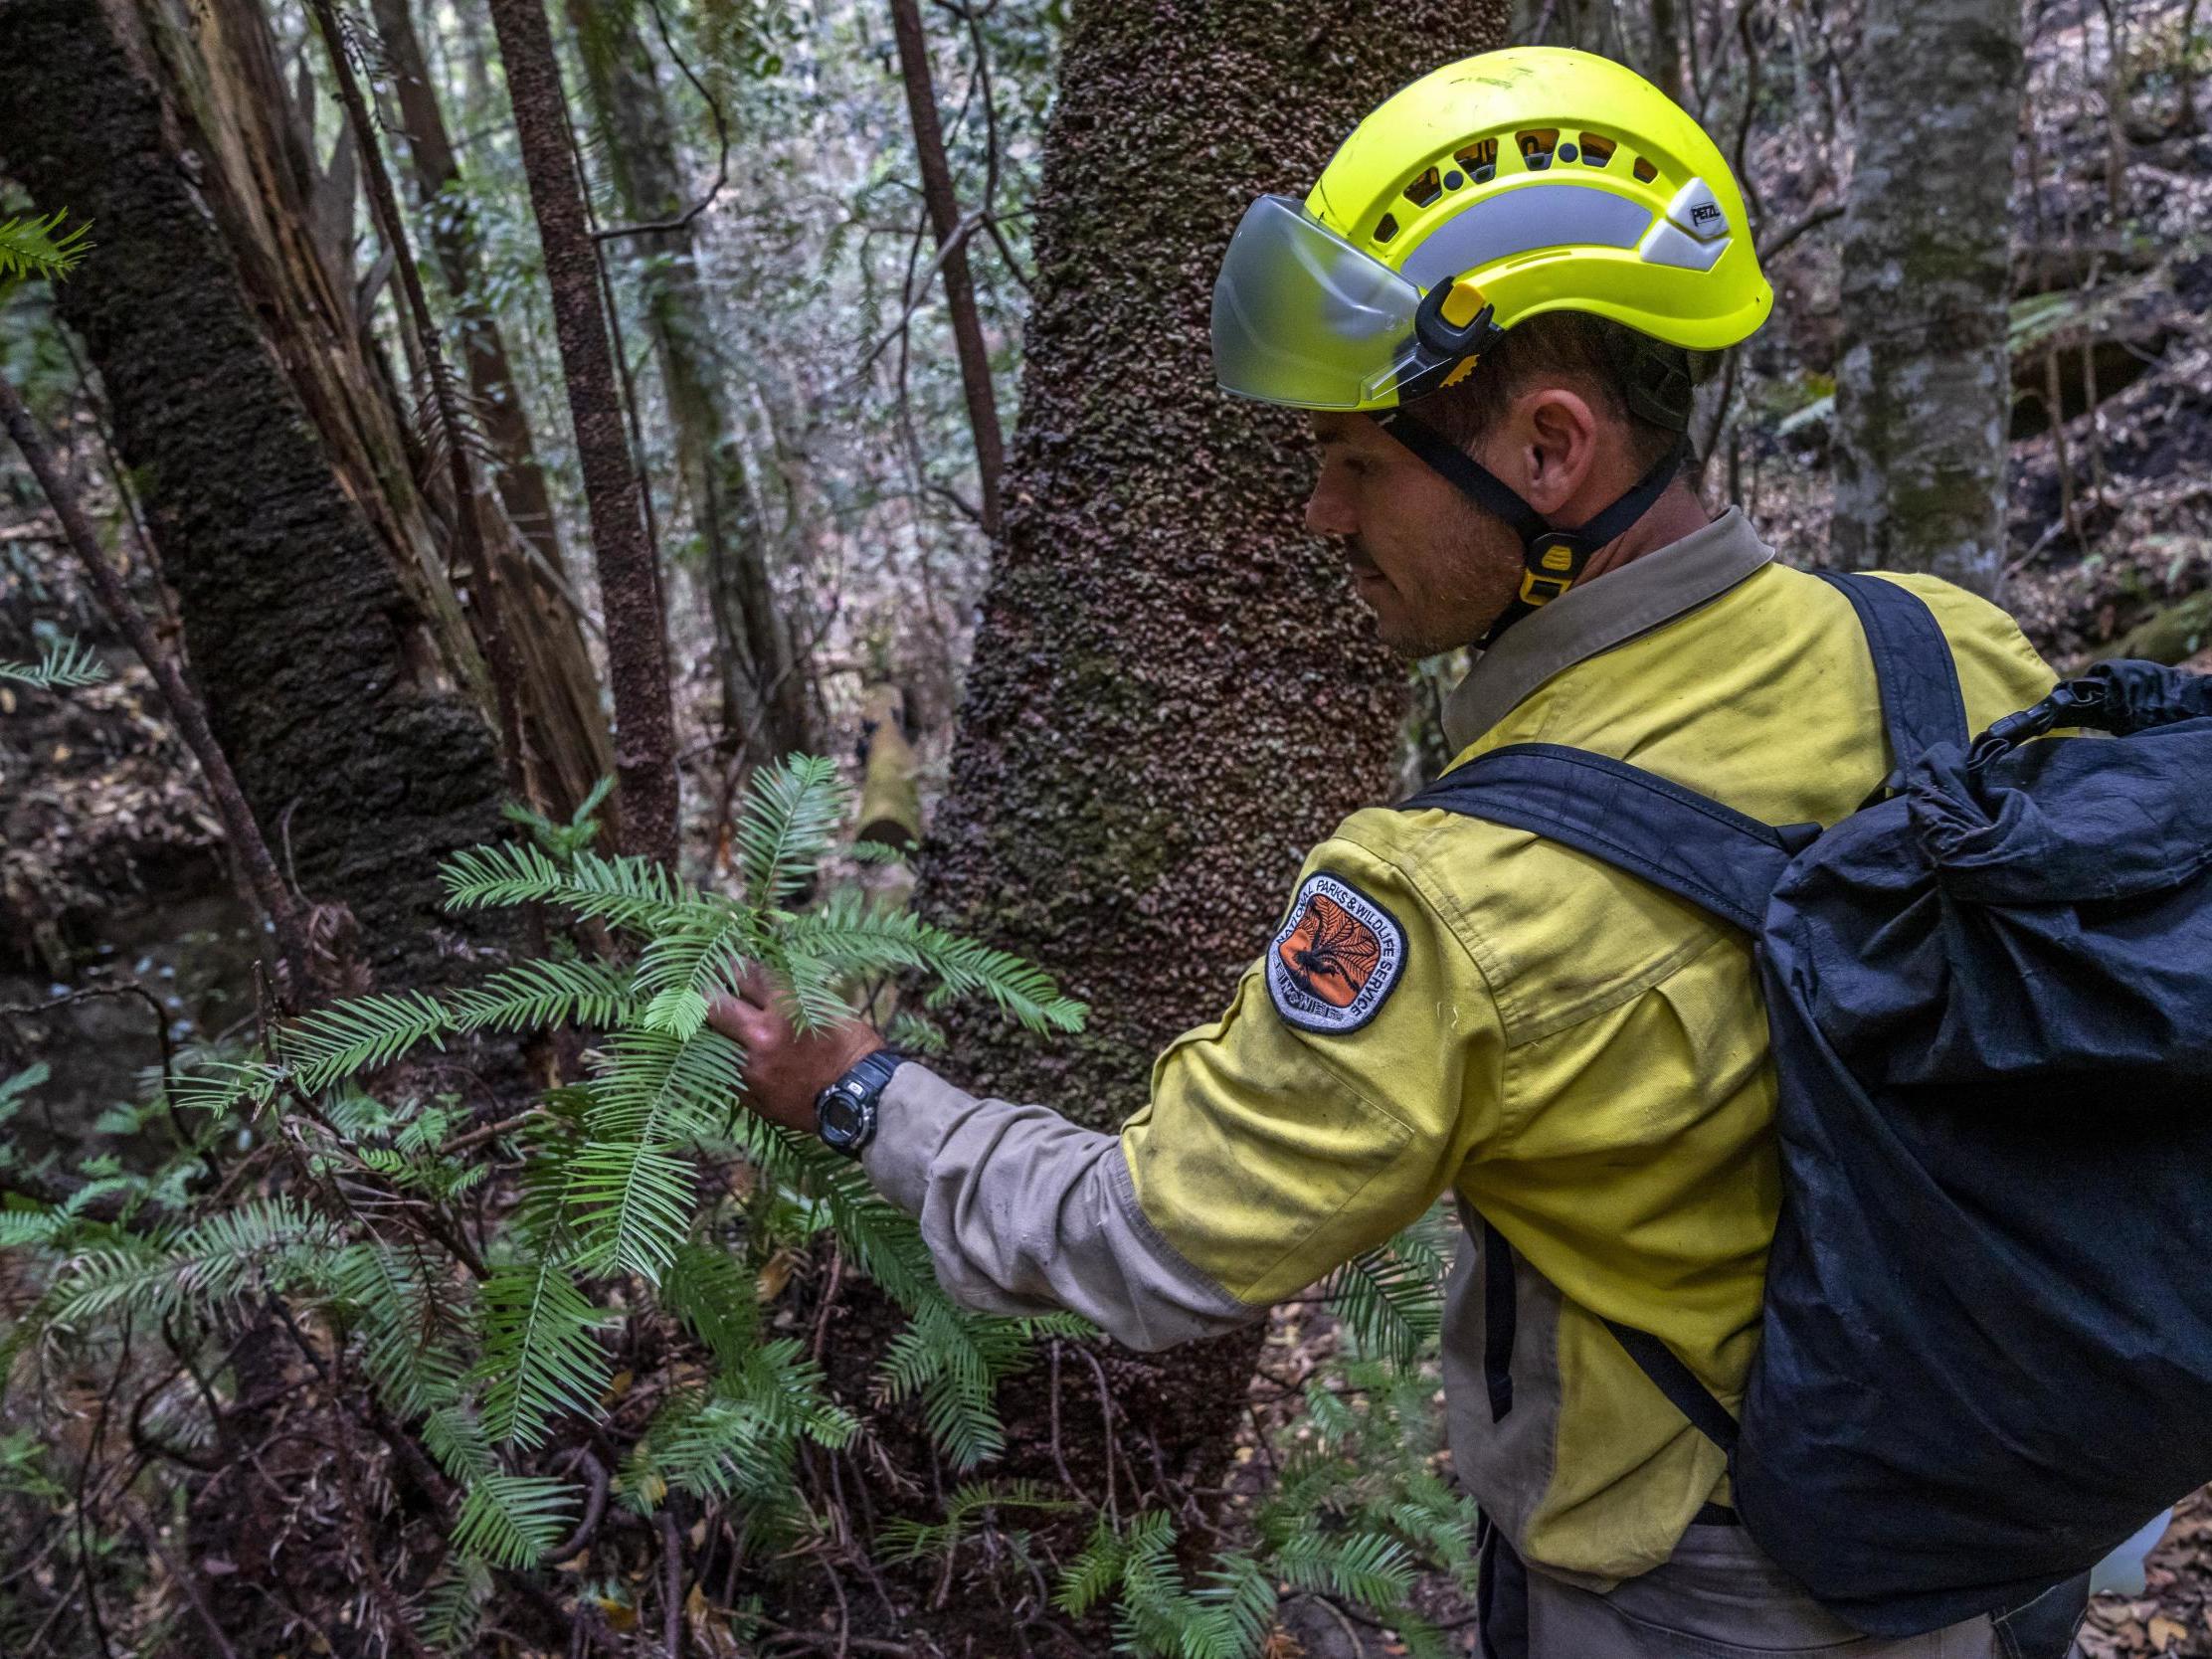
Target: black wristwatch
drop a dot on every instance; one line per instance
(844, 1112)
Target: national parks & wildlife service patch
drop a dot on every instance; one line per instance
(1336, 959)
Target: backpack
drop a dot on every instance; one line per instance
(1986, 1348)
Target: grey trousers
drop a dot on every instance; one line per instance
(1722, 1597)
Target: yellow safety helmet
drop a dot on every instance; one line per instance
(1498, 188)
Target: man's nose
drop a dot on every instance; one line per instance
(1329, 513)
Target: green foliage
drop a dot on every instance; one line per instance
(601, 1214)
(65, 665)
(35, 248)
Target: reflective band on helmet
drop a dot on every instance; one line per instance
(1302, 318)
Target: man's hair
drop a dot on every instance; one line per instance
(1644, 383)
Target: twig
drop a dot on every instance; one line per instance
(721, 135)
(1811, 221)
(595, 1506)
(186, 1582)
(671, 1586)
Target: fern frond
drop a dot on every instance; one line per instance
(541, 1357)
(789, 816)
(67, 664)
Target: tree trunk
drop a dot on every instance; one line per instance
(339, 675)
(1173, 693)
(767, 679)
(629, 584)
(942, 204)
(560, 709)
(1924, 392)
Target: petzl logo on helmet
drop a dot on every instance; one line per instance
(1706, 217)
(1336, 958)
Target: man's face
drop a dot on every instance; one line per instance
(1435, 571)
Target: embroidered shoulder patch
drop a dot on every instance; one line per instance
(1336, 959)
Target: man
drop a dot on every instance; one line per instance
(1494, 301)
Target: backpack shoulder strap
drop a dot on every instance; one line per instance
(1713, 855)
(1922, 705)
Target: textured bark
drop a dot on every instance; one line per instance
(1924, 392)
(628, 586)
(560, 706)
(943, 203)
(278, 907)
(1173, 693)
(339, 674)
(768, 690)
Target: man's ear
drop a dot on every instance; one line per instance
(1556, 437)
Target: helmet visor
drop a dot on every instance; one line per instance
(1303, 317)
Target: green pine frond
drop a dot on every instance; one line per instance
(717, 1300)
(532, 995)
(627, 892)
(214, 1085)
(1091, 1576)
(33, 1229)
(67, 664)
(359, 1035)
(1392, 1304)
(541, 1356)
(404, 1310)
(513, 1519)
(953, 1360)
(453, 1606)
(856, 938)
(913, 1541)
(1234, 1609)
(631, 1194)
(789, 818)
(682, 967)
(206, 1266)
(1369, 1568)
(31, 247)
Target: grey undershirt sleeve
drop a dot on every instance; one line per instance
(1026, 1213)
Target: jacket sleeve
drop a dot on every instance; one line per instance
(1355, 1070)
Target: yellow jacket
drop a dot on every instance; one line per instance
(1453, 1005)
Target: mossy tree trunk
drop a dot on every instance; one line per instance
(1924, 391)
(339, 674)
(768, 691)
(1174, 691)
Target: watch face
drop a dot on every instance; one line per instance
(840, 1116)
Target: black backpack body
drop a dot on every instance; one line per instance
(1986, 1350)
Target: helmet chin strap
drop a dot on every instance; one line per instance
(1554, 558)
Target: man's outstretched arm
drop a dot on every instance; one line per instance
(1353, 1075)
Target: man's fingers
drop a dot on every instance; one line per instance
(758, 986)
(739, 1020)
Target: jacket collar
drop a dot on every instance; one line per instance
(1584, 621)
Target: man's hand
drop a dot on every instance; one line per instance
(784, 1071)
